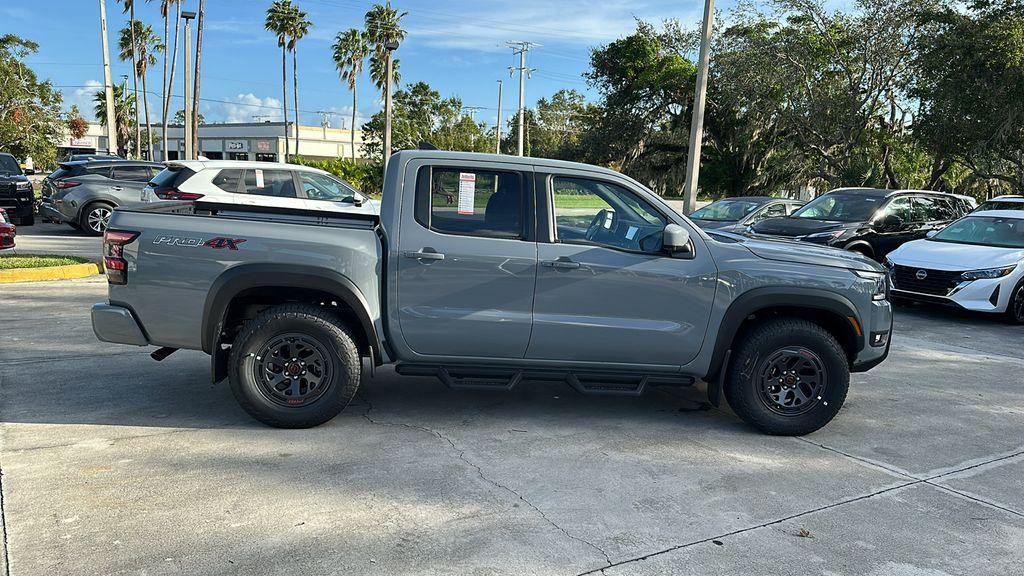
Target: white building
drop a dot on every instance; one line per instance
(261, 141)
(94, 141)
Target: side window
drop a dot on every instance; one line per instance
(900, 207)
(605, 214)
(103, 171)
(772, 211)
(227, 180)
(276, 183)
(321, 187)
(132, 173)
(471, 202)
(947, 208)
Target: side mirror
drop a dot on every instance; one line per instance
(931, 233)
(29, 171)
(675, 239)
(891, 222)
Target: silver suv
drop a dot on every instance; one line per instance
(85, 193)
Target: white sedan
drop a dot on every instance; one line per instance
(977, 263)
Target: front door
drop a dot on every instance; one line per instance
(891, 235)
(467, 261)
(606, 291)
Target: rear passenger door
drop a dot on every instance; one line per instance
(128, 180)
(932, 213)
(270, 187)
(467, 260)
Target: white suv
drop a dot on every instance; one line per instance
(256, 184)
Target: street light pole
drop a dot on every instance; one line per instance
(108, 84)
(389, 48)
(497, 144)
(697, 124)
(188, 152)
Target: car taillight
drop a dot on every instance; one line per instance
(114, 263)
(172, 193)
(65, 184)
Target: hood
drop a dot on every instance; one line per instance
(789, 226)
(713, 224)
(952, 256)
(6, 178)
(806, 253)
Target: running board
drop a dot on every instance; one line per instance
(490, 378)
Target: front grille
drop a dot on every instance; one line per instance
(8, 190)
(937, 282)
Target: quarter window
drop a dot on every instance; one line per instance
(605, 214)
(132, 173)
(227, 180)
(472, 202)
(277, 183)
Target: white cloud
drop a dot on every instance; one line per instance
(82, 97)
(242, 108)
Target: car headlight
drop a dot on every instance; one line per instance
(23, 185)
(879, 291)
(987, 273)
(830, 235)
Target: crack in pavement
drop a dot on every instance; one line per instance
(461, 453)
(3, 526)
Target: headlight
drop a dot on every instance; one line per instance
(879, 292)
(987, 273)
(888, 263)
(24, 185)
(831, 235)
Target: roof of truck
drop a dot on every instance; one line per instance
(406, 155)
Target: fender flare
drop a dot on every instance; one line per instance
(759, 299)
(235, 280)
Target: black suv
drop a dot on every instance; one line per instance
(16, 194)
(867, 220)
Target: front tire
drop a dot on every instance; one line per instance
(294, 366)
(787, 377)
(1015, 307)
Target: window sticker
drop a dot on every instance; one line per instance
(259, 178)
(631, 232)
(467, 192)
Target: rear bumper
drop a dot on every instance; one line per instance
(117, 324)
(48, 211)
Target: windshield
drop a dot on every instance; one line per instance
(841, 207)
(984, 231)
(1001, 205)
(9, 165)
(726, 210)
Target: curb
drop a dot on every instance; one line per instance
(68, 272)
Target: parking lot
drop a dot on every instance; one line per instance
(115, 464)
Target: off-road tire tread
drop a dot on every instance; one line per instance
(349, 365)
(749, 408)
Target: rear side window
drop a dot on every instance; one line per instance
(276, 183)
(471, 202)
(132, 173)
(103, 171)
(929, 209)
(171, 177)
(227, 180)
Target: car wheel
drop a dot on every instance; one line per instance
(95, 218)
(1015, 308)
(294, 366)
(787, 377)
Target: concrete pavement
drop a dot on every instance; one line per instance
(114, 464)
(59, 239)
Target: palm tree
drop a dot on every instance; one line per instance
(129, 7)
(350, 50)
(124, 109)
(298, 27)
(278, 22)
(379, 72)
(383, 25)
(165, 12)
(195, 79)
(146, 43)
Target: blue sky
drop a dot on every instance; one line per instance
(457, 46)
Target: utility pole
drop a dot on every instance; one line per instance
(189, 152)
(108, 84)
(497, 143)
(389, 48)
(697, 125)
(521, 48)
(324, 122)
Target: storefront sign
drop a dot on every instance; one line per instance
(264, 146)
(237, 146)
(82, 143)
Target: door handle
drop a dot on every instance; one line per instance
(421, 255)
(116, 188)
(564, 264)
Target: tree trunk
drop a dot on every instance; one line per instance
(170, 80)
(149, 127)
(135, 82)
(352, 128)
(284, 96)
(195, 89)
(163, 96)
(295, 94)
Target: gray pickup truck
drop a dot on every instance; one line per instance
(486, 270)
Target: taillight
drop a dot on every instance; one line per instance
(172, 193)
(65, 184)
(114, 263)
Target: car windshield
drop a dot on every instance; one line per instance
(9, 166)
(984, 231)
(841, 207)
(1001, 205)
(726, 210)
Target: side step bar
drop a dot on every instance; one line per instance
(489, 378)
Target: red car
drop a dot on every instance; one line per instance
(7, 231)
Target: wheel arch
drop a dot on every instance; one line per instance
(862, 246)
(830, 310)
(256, 285)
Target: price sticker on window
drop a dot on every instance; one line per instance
(467, 193)
(259, 178)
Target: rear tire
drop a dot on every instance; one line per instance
(787, 377)
(266, 376)
(95, 217)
